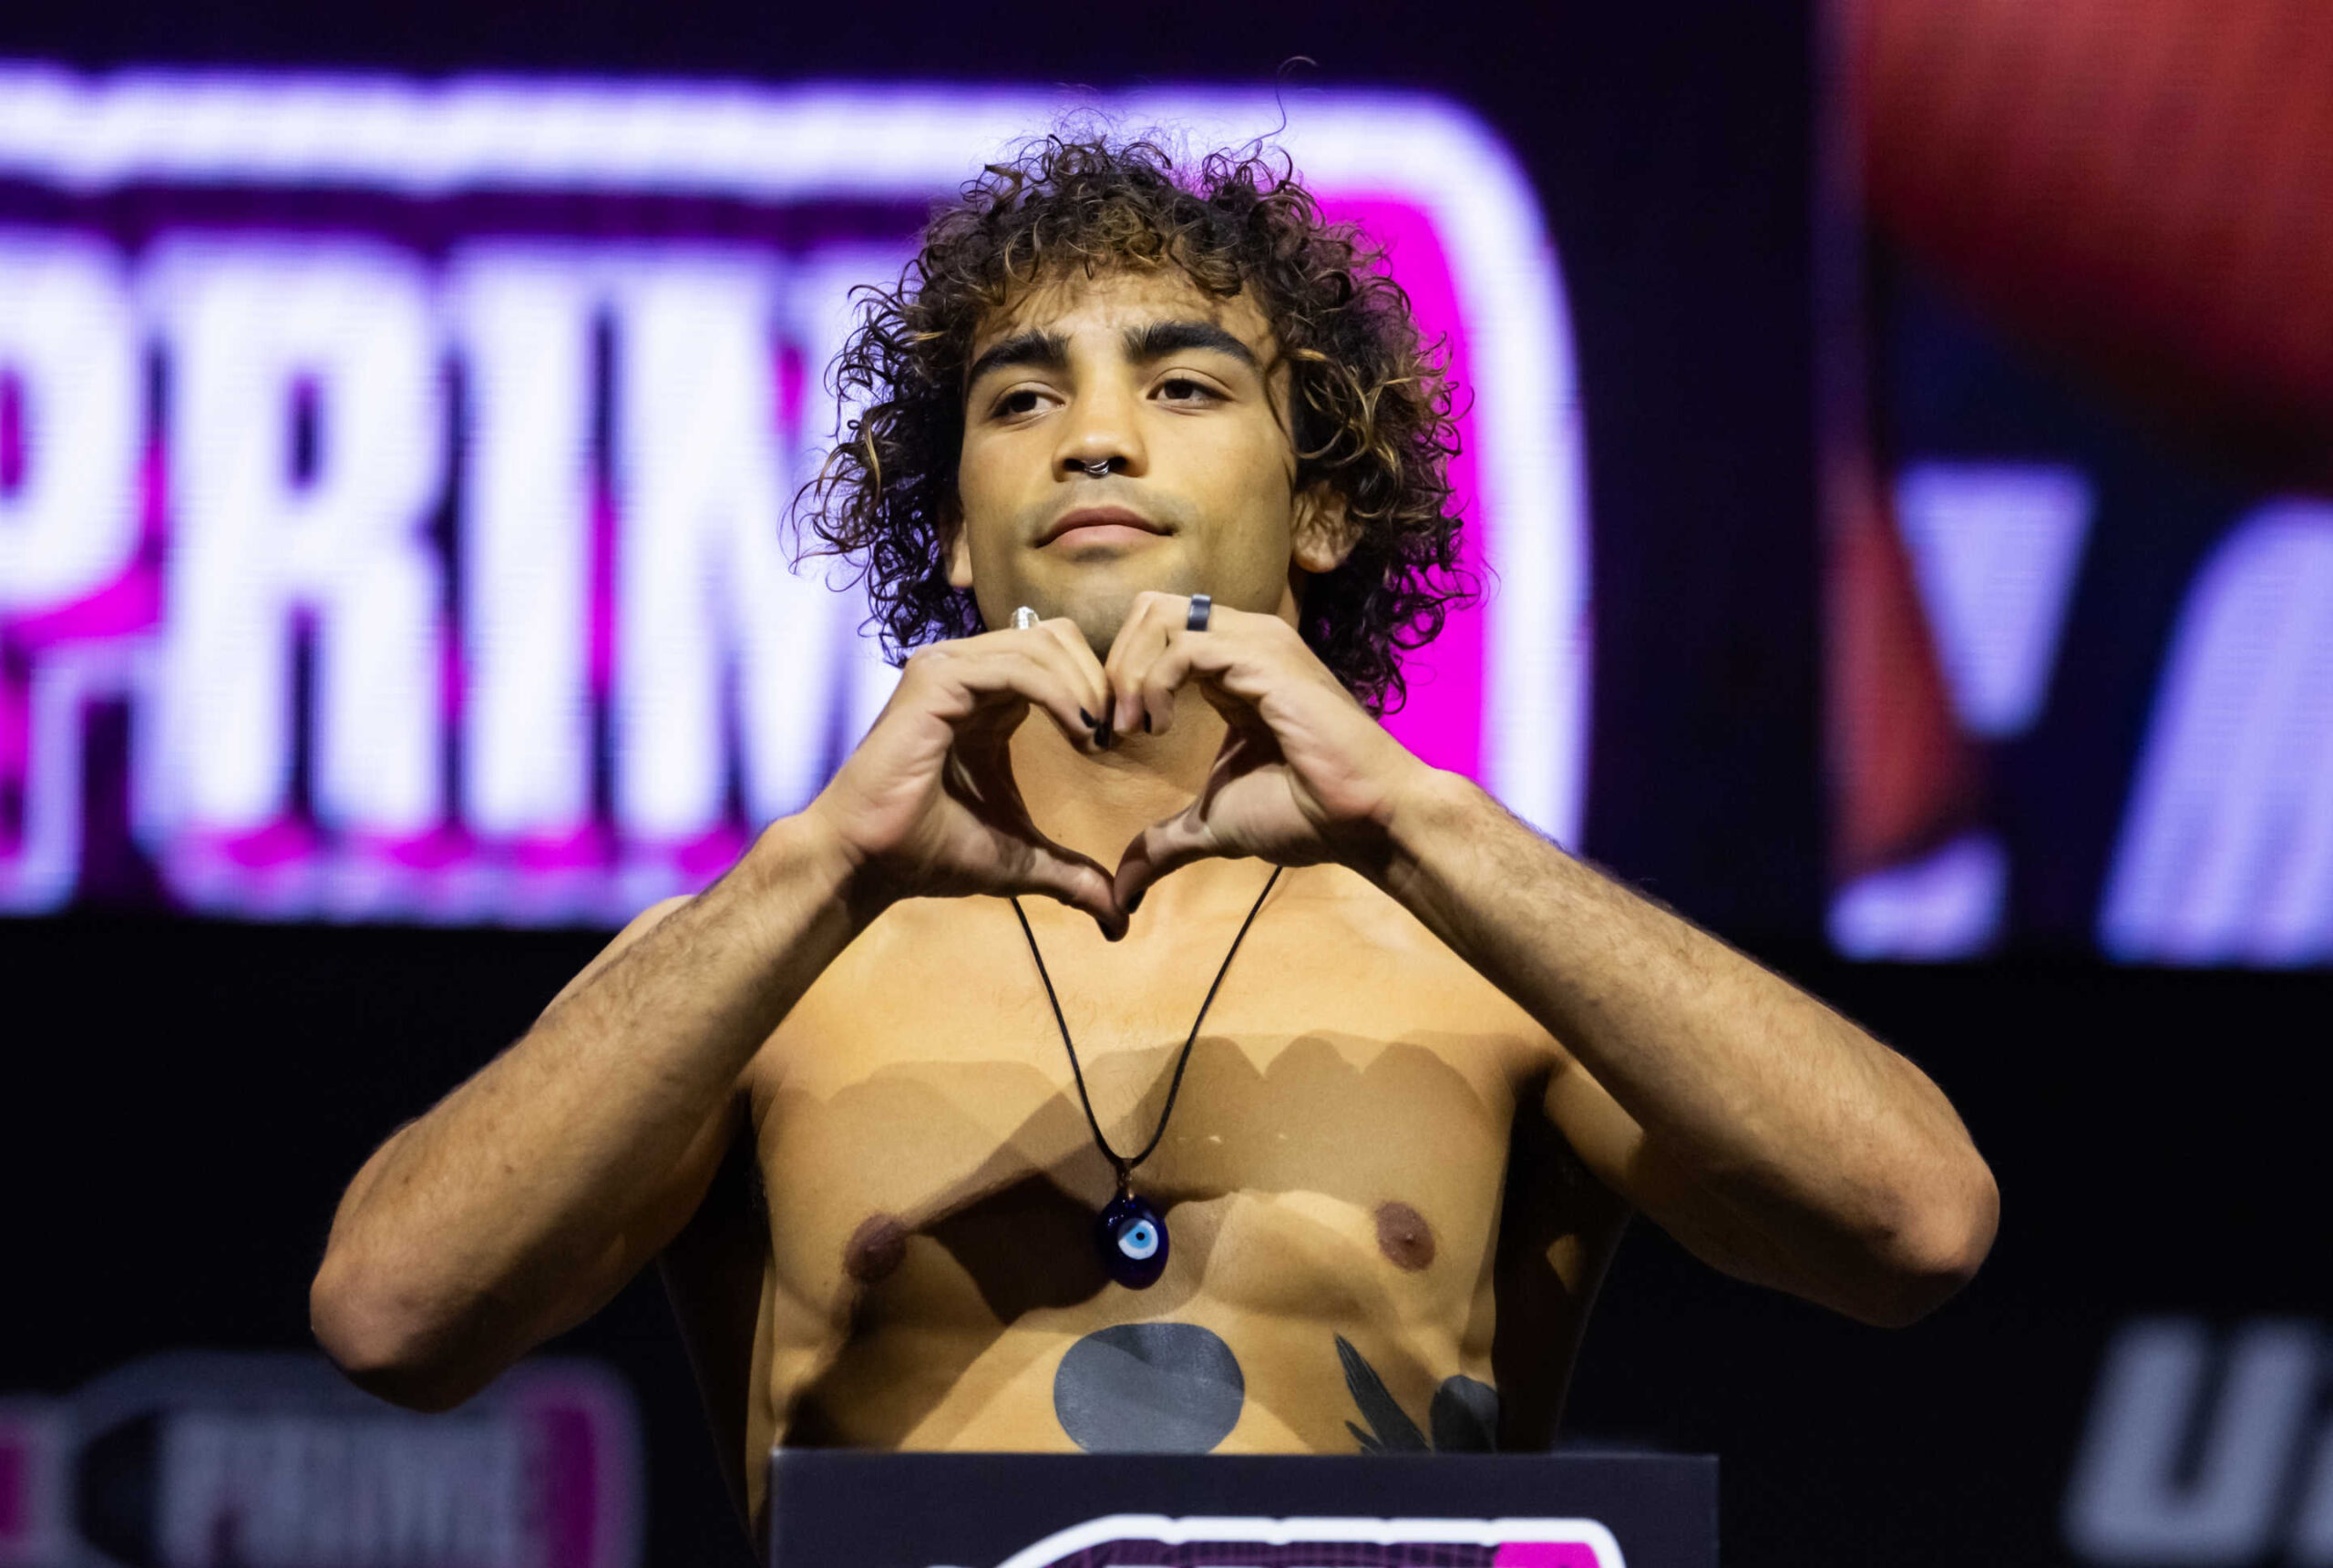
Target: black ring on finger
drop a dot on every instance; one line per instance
(1201, 606)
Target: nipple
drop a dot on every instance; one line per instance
(875, 1249)
(1404, 1237)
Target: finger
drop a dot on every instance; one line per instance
(1160, 848)
(1160, 682)
(1181, 656)
(983, 673)
(1077, 880)
(1093, 680)
(1058, 646)
(1146, 633)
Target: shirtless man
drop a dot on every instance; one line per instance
(1447, 1063)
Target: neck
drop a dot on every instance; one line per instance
(1096, 802)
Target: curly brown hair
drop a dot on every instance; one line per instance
(1371, 403)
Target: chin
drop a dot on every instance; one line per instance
(1101, 607)
(1101, 623)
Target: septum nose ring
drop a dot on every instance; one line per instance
(1097, 471)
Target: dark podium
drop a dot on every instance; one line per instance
(831, 1509)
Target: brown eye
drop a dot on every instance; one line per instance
(1182, 389)
(1017, 402)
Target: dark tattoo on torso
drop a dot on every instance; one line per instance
(1463, 1418)
(1177, 1387)
(1149, 1388)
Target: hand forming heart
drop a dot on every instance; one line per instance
(926, 804)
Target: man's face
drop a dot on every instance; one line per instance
(1179, 401)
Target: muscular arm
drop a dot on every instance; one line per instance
(530, 1195)
(527, 1197)
(1771, 1136)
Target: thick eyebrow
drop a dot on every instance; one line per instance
(1159, 338)
(1044, 350)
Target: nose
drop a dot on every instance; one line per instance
(1101, 437)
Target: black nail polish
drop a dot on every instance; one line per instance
(1134, 903)
(1145, 721)
(1086, 716)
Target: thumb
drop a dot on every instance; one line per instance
(1074, 879)
(1161, 847)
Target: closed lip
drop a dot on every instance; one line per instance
(1097, 517)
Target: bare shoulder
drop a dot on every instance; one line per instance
(1369, 945)
(913, 941)
(916, 949)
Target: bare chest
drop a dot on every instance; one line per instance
(925, 1146)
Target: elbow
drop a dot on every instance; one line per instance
(389, 1350)
(1935, 1248)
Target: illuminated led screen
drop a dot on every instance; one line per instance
(2130, 746)
(393, 478)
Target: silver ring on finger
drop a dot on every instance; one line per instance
(1024, 618)
(1201, 606)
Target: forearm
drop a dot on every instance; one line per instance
(546, 1178)
(1833, 1149)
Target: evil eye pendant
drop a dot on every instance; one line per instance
(1133, 1240)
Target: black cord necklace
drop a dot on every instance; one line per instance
(1131, 1235)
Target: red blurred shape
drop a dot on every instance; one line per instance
(2144, 186)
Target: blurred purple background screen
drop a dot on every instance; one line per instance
(393, 479)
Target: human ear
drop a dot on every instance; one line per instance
(1321, 533)
(959, 548)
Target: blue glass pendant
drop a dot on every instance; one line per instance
(1133, 1240)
